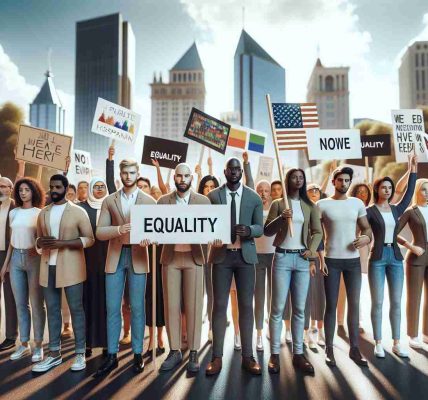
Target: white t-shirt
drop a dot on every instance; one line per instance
(55, 221)
(339, 218)
(424, 211)
(295, 242)
(264, 244)
(23, 223)
(389, 222)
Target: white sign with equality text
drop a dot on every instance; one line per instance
(178, 224)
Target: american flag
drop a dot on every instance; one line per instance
(292, 122)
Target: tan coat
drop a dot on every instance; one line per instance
(70, 265)
(168, 249)
(111, 217)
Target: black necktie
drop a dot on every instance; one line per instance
(233, 218)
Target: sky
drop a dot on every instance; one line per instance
(369, 36)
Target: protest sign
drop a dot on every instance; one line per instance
(237, 137)
(265, 169)
(42, 147)
(169, 153)
(115, 122)
(80, 167)
(409, 132)
(376, 145)
(207, 130)
(175, 224)
(334, 144)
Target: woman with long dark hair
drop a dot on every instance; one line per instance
(23, 263)
(291, 268)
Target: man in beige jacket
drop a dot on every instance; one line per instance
(182, 278)
(63, 231)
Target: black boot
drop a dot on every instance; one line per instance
(329, 356)
(109, 365)
(138, 363)
(356, 356)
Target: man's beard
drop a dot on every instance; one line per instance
(128, 184)
(182, 189)
(56, 197)
(342, 190)
(3, 197)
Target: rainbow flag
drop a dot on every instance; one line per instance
(256, 143)
(237, 138)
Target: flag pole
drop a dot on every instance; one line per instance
(154, 335)
(366, 162)
(278, 160)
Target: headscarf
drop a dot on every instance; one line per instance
(92, 201)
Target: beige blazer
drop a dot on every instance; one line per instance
(70, 264)
(167, 255)
(111, 217)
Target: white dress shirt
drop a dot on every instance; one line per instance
(4, 210)
(238, 197)
(128, 200)
(184, 201)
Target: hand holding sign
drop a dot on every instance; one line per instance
(413, 163)
(123, 229)
(216, 243)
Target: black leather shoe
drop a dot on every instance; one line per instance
(329, 356)
(356, 356)
(193, 364)
(138, 363)
(7, 344)
(300, 362)
(273, 366)
(105, 352)
(109, 365)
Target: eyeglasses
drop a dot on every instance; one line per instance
(314, 190)
(99, 187)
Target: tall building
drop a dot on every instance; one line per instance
(46, 110)
(105, 67)
(328, 87)
(173, 101)
(256, 74)
(413, 76)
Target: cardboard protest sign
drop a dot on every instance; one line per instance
(376, 145)
(81, 166)
(175, 224)
(408, 127)
(42, 147)
(265, 168)
(169, 153)
(115, 122)
(334, 144)
(207, 130)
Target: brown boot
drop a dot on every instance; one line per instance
(300, 362)
(214, 367)
(251, 365)
(273, 365)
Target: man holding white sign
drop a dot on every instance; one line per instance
(182, 277)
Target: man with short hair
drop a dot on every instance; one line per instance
(82, 191)
(341, 216)
(7, 204)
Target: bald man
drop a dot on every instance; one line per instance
(7, 204)
(182, 277)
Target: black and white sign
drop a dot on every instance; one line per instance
(169, 153)
(376, 145)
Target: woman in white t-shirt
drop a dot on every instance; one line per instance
(23, 264)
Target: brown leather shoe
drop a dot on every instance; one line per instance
(273, 366)
(251, 365)
(214, 367)
(300, 362)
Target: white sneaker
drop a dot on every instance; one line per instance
(425, 338)
(48, 363)
(259, 345)
(20, 352)
(399, 351)
(415, 343)
(313, 333)
(237, 342)
(37, 354)
(288, 337)
(379, 352)
(79, 363)
(321, 338)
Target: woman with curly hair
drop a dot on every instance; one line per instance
(23, 264)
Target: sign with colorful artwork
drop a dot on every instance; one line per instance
(115, 122)
(247, 139)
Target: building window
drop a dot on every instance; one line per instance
(179, 77)
(189, 77)
(329, 84)
(343, 82)
(194, 77)
(417, 59)
(184, 77)
(174, 77)
(423, 79)
(320, 83)
(417, 80)
(200, 76)
(422, 60)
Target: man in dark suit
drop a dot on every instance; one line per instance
(7, 204)
(238, 260)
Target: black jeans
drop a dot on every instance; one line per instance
(233, 265)
(351, 269)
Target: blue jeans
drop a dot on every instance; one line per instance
(24, 279)
(115, 285)
(392, 268)
(74, 295)
(289, 272)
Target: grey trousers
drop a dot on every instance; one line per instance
(9, 304)
(264, 266)
(209, 290)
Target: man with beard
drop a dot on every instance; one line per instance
(7, 204)
(124, 262)
(63, 231)
(341, 216)
(182, 277)
(236, 260)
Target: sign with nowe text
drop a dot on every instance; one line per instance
(409, 135)
(334, 144)
(169, 153)
(177, 224)
(42, 147)
(376, 145)
(115, 122)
